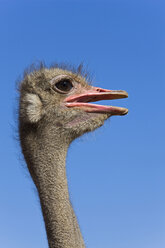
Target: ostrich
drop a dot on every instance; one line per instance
(55, 108)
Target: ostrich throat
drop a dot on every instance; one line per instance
(46, 160)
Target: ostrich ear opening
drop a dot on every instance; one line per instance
(32, 108)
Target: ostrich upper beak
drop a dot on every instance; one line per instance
(97, 94)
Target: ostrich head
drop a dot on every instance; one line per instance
(60, 98)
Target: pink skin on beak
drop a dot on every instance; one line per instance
(97, 94)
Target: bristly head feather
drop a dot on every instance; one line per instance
(78, 70)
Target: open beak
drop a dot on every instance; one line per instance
(96, 94)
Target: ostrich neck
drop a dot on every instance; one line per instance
(45, 154)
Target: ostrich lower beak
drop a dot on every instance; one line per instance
(97, 94)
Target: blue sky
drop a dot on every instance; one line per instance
(116, 174)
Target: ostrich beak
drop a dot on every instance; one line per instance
(97, 94)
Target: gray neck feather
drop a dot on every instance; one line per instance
(45, 153)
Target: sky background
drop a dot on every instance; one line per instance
(116, 174)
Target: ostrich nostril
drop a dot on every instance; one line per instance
(99, 90)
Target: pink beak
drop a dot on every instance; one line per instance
(97, 94)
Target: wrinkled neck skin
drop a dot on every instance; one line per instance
(45, 152)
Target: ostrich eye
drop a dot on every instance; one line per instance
(64, 85)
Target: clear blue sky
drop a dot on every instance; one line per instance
(116, 174)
